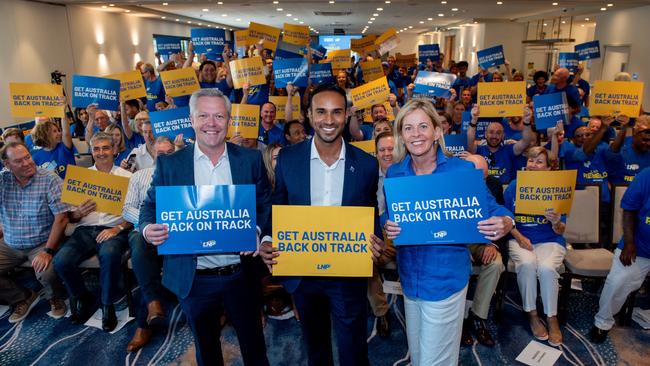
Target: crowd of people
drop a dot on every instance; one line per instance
(310, 161)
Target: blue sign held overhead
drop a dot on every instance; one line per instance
(428, 52)
(549, 110)
(588, 50)
(434, 84)
(317, 51)
(172, 122)
(166, 45)
(481, 125)
(207, 219)
(441, 208)
(209, 41)
(491, 57)
(88, 90)
(568, 60)
(293, 70)
(456, 143)
(321, 74)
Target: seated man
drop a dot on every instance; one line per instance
(97, 233)
(34, 220)
(144, 257)
(631, 262)
(144, 154)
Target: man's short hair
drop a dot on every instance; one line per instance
(102, 136)
(328, 87)
(207, 62)
(268, 102)
(194, 99)
(287, 126)
(161, 139)
(133, 103)
(16, 132)
(461, 64)
(372, 109)
(540, 74)
(11, 145)
(148, 67)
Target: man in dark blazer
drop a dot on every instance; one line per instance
(326, 171)
(206, 285)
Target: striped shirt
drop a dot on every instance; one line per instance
(27, 213)
(138, 185)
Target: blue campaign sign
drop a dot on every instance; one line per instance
(281, 54)
(287, 50)
(293, 70)
(209, 41)
(166, 45)
(568, 60)
(317, 51)
(434, 84)
(588, 50)
(428, 51)
(441, 208)
(491, 57)
(172, 122)
(549, 110)
(456, 143)
(321, 74)
(481, 125)
(88, 90)
(207, 219)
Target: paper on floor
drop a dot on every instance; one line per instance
(539, 354)
(641, 317)
(122, 318)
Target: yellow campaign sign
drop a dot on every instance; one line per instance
(387, 41)
(270, 35)
(242, 39)
(247, 70)
(406, 60)
(538, 191)
(107, 190)
(131, 85)
(367, 95)
(364, 45)
(296, 34)
(502, 99)
(244, 119)
(180, 82)
(372, 70)
(338, 246)
(367, 146)
(280, 104)
(611, 98)
(340, 59)
(367, 113)
(31, 100)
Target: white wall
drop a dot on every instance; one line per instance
(408, 43)
(469, 40)
(510, 35)
(626, 27)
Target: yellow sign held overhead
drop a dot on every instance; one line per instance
(270, 35)
(281, 103)
(364, 45)
(611, 98)
(247, 70)
(31, 100)
(372, 70)
(387, 41)
(180, 82)
(538, 191)
(131, 85)
(242, 39)
(406, 60)
(367, 146)
(340, 59)
(502, 99)
(107, 190)
(309, 245)
(296, 34)
(244, 120)
(374, 92)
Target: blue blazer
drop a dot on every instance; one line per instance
(177, 169)
(292, 183)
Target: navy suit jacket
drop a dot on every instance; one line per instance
(293, 186)
(177, 169)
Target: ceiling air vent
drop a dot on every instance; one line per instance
(333, 13)
(339, 31)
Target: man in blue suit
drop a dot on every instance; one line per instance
(206, 285)
(326, 171)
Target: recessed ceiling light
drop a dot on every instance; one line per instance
(554, 4)
(163, 17)
(582, 25)
(209, 25)
(499, 2)
(229, 28)
(189, 22)
(475, 22)
(603, 9)
(610, 5)
(441, 15)
(200, 23)
(410, 27)
(545, 24)
(178, 20)
(369, 22)
(224, 15)
(302, 22)
(104, 6)
(288, 14)
(238, 19)
(372, 18)
(296, 19)
(165, 4)
(429, 18)
(279, 9)
(421, 22)
(375, 14)
(205, 9)
(380, 9)
(387, 1)
(454, 9)
(111, 4)
(219, 2)
(276, 2)
(443, 2)
(564, 22)
(332, 1)
(587, 19)
(127, 11)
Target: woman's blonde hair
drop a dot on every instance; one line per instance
(536, 151)
(41, 133)
(121, 146)
(399, 152)
(267, 156)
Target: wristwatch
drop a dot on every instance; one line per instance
(49, 251)
(120, 227)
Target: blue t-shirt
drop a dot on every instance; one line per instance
(461, 83)
(55, 160)
(637, 198)
(273, 135)
(121, 156)
(258, 94)
(182, 101)
(534, 227)
(500, 163)
(593, 169)
(509, 132)
(534, 90)
(570, 129)
(629, 164)
(155, 93)
(135, 141)
(570, 90)
(367, 129)
(221, 85)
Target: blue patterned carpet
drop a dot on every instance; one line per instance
(41, 340)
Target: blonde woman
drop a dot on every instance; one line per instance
(56, 151)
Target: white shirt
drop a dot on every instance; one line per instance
(205, 173)
(100, 218)
(142, 158)
(381, 200)
(326, 186)
(138, 186)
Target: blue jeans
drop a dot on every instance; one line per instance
(81, 246)
(144, 259)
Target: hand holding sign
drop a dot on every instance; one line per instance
(156, 234)
(495, 227)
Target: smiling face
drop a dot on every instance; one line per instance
(378, 112)
(419, 133)
(537, 163)
(210, 123)
(208, 73)
(385, 148)
(327, 115)
(494, 134)
(268, 114)
(102, 151)
(20, 163)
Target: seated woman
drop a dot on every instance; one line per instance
(56, 147)
(537, 248)
(119, 141)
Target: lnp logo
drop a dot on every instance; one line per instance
(323, 266)
(440, 234)
(209, 243)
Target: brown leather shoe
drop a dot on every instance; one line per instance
(156, 314)
(140, 339)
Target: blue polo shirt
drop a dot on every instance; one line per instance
(155, 93)
(509, 133)
(221, 85)
(501, 164)
(273, 135)
(258, 94)
(55, 160)
(637, 198)
(534, 90)
(592, 169)
(435, 272)
(534, 227)
(570, 90)
(629, 164)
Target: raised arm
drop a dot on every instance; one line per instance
(471, 130)
(620, 135)
(126, 126)
(527, 136)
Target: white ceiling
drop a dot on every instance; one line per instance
(422, 16)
